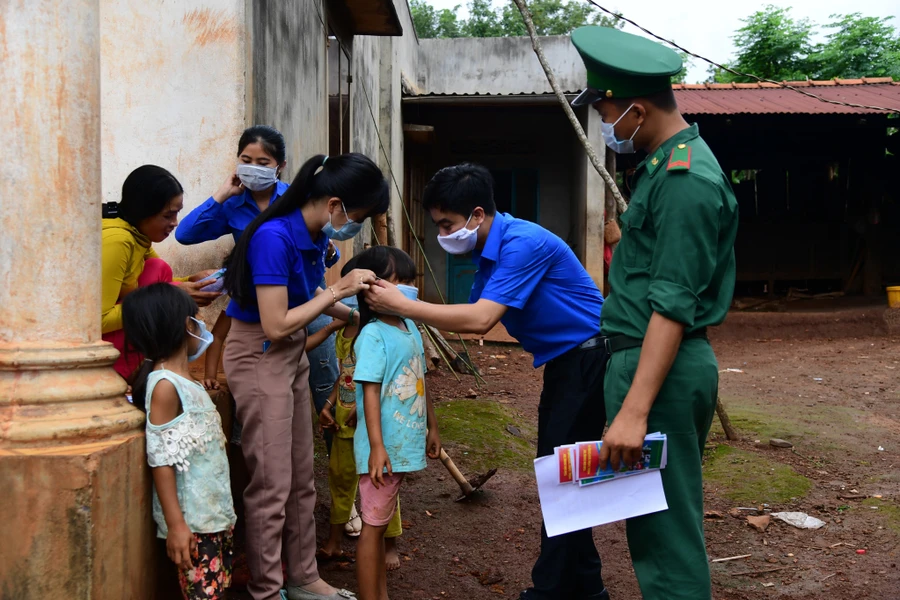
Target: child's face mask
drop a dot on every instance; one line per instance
(205, 337)
(409, 291)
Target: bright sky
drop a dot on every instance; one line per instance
(705, 27)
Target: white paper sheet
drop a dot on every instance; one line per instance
(569, 508)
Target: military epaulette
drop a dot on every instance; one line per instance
(679, 158)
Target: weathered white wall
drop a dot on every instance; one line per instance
(378, 64)
(173, 90)
(289, 75)
(496, 66)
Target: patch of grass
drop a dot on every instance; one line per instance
(751, 479)
(889, 512)
(479, 428)
(802, 425)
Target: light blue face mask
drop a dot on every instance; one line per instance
(347, 231)
(205, 337)
(608, 131)
(409, 291)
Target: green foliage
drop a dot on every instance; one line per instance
(431, 23)
(551, 17)
(773, 45)
(858, 46)
(688, 62)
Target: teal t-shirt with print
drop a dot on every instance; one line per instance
(396, 359)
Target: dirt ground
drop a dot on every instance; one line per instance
(825, 381)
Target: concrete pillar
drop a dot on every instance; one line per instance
(71, 453)
(595, 201)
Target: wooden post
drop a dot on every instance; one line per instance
(730, 433)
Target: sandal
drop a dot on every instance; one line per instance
(354, 526)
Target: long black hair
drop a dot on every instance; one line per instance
(153, 318)
(269, 138)
(353, 178)
(386, 262)
(146, 192)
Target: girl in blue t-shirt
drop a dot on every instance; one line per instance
(397, 427)
(192, 503)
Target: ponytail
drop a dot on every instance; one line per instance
(353, 178)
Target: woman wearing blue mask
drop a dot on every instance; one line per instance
(246, 192)
(273, 278)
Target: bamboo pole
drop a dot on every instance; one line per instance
(579, 130)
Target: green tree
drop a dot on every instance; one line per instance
(858, 46)
(551, 17)
(482, 21)
(771, 45)
(555, 17)
(688, 62)
(431, 23)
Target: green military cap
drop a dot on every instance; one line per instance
(622, 65)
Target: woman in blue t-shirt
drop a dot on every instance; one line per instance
(273, 278)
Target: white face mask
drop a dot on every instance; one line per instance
(256, 177)
(608, 131)
(461, 241)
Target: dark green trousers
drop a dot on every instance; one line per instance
(668, 548)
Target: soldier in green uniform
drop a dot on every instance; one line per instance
(672, 276)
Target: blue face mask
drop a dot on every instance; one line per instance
(205, 337)
(608, 131)
(409, 291)
(347, 231)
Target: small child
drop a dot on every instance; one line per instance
(192, 503)
(339, 415)
(397, 426)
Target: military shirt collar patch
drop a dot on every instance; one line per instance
(664, 153)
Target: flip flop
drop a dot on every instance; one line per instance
(354, 526)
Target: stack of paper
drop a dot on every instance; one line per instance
(621, 495)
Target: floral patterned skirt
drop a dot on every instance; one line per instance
(210, 574)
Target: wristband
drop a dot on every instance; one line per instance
(333, 295)
(350, 318)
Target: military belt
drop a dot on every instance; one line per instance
(617, 343)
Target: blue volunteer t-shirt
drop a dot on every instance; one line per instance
(552, 303)
(282, 253)
(395, 359)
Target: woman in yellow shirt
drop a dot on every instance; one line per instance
(147, 214)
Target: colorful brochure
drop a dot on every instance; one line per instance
(580, 463)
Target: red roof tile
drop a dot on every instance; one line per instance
(769, 98)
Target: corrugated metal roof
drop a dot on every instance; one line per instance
(768, 98)
(757, 98)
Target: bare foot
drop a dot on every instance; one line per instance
(391, 556)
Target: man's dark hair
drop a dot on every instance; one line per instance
(460, 189)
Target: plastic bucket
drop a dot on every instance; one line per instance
(893, 296)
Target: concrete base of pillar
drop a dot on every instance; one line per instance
(77, 522)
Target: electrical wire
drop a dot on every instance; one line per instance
(780, 84)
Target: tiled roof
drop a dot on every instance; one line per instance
(769, 98)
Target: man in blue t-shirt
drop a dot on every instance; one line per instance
(532, 282)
